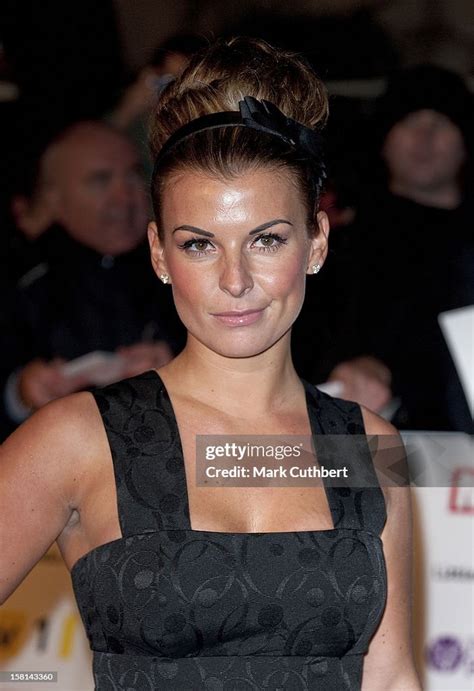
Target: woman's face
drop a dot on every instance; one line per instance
(236, 253)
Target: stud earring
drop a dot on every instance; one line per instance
(316, 268)
(165, 278)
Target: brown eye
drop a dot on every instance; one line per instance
(196, 246)
(269, 242)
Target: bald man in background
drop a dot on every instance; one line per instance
(95, 289)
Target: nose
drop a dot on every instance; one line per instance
(235, 277)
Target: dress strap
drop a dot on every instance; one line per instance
(146, 453)
(355, 506)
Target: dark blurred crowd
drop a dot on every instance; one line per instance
(80, 304)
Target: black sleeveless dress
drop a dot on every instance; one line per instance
(170, 608)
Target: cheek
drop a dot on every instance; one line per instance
(87, 205)
(190, 284)
(69, 208)
(452, 148)
(397, 145)
(289, 278)
(139, 196)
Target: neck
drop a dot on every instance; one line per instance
(244, 387)
(444, 196)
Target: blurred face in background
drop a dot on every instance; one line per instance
(97, 190)
(424, 151)
(174, 64)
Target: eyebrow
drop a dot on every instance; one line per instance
(258, 229)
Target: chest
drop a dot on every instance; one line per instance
(239, 504)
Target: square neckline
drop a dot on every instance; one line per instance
(309, 391)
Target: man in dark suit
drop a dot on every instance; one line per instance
(95, 288)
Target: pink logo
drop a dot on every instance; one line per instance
(461, 496)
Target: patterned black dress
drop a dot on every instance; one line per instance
(170, 608)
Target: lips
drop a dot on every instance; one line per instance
(239, 318)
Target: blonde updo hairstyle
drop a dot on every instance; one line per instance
(216, 80)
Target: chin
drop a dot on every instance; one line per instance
(236, 352)
(239, 346)
(425, 177)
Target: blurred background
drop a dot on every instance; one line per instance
(65, 61)
(77, 83)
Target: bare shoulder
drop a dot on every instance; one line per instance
(66, 430)
(69, 411)
(46, 467)
(374, 424)
(390, 453)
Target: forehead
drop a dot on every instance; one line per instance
(427, 115)
(251, 197)
(89, 151)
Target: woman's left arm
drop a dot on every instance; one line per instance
(389, 663)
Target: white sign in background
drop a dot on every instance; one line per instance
(444, 560)
(458, 329)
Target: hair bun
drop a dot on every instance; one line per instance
(221, 75)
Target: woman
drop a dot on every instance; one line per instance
(183, 586)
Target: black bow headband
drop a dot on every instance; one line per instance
(258, 115)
